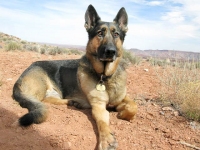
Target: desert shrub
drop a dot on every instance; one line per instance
(59, 50)
(13, 46)
(23, 42)
(42, 50)
(131, 58)
(30, 47)
(193, 64)
(34, 48)
(4, 39)
(75, 51)
(181, 88)
(52, 51)
(159, 62)
(189, 94)
(197, 64)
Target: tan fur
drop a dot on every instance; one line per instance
(96, 63)
(127, 109)
(48, 82)
(56, 101)
(36, 84)
(111, 67)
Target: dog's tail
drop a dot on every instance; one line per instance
(37, 110)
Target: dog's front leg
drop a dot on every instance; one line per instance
(107, 140)
(98, 100)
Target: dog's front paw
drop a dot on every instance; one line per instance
(107, 142)
(127, 110)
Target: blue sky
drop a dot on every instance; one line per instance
(153, 24)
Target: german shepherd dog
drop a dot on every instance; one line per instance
(95, 81)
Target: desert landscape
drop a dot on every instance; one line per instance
(155, 127)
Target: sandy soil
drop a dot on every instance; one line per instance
(67, 128)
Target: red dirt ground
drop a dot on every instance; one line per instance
(67, 128)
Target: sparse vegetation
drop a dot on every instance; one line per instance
(159, 62)
(181, 88)
(13, 46)
(180, 79)
(131, 58)
(75, 51)
(190, 64)
(23, 42)
(31, 47)
(13, 43)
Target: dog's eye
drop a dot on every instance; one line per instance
(100, 33)
(116, 35)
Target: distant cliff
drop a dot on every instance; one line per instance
(164, 54)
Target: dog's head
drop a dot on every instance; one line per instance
(104, 48)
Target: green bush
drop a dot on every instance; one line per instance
(4, 39)
(13, 46)
(42, 50)
(23, 42)
(159, 62)
(75, 51)
(52, 51)
(30, 47)
(131, 58)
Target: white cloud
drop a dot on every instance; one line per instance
(190, 9)
(173, 17)
(155, 3)
(184, 19)
(150, 3)
(63, 22)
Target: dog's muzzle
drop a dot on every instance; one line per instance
(107, 53)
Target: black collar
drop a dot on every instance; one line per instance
(103, 77)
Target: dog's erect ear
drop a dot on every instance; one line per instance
(91, 18)
(122, 19)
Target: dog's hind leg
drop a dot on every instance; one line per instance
(28, 91)
(127, 109)
(53, 97)
(55, 100)
(37, 111)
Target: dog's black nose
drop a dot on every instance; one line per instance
(107, 53)
(110, 52)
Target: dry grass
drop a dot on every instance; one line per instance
(13, 43)
(181, 88)
(129, 57)
(13, 46)
(189, 93)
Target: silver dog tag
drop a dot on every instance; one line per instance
(100, 87)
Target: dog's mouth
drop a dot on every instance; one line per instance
(107, 54)
(107, 59)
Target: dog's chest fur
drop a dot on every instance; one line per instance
(115, 85)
